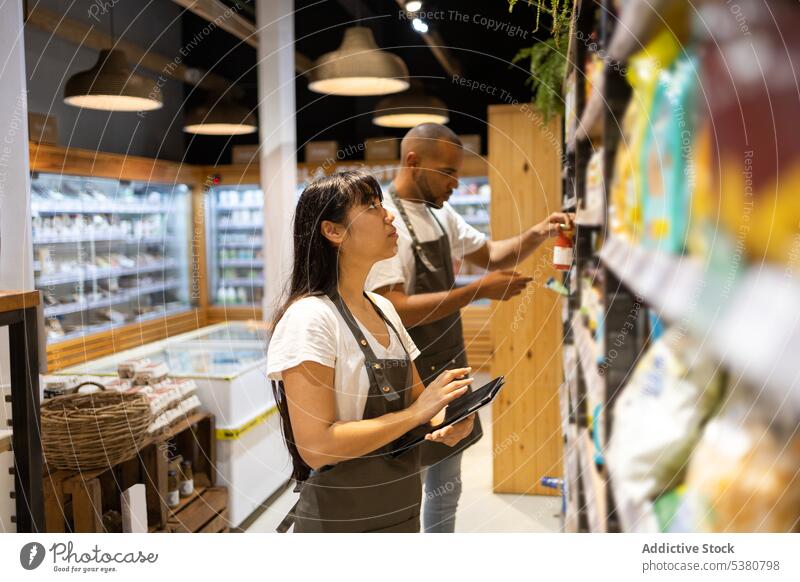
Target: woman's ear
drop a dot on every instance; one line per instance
(332, 231)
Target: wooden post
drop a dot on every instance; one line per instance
(525, 176)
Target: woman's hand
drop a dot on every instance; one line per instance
(440, 393)
(453, 434)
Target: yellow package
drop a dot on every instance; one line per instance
(743, 476)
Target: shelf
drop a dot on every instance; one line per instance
(104, 273)
(758, 335)
(470, 199)
(240, 245)
(477, 221)
(671, 284)
(15, 300)
(226, 208)
(253, 264)
(752, 325)
(91, 329)
(244, 282)
(637, 26)
(591, 122)
(47, 240)
(594, 485)
(252, 226)
(588, 356)
(120, 297)
(184, 501)
(98, 208)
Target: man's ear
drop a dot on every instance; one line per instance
(412, 159)
(332, 231)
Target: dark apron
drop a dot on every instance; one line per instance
(441, 343)
(373, 493)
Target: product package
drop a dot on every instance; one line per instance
(743, 475)
(755, 145)
(667, 164)
(658, 419)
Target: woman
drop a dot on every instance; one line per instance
(341, 365)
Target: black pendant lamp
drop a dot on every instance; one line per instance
(220, 116)
(410, 109)
(110, 85)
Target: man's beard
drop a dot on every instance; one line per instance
(425, 191)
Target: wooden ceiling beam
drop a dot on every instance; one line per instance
(84, 35)
(226, 18)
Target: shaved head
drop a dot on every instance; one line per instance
(425, 140)
(431, 156)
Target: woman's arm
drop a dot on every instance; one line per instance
(321, 440)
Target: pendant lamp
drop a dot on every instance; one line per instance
(358, 67)
(220, 116)
(110, 85)
(410, 109)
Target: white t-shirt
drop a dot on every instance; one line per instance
(312, 329)
(464, 240)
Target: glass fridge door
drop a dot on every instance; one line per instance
(108, 253)
(235, 233)
(471, 200)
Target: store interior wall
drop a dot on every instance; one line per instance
(50, 61)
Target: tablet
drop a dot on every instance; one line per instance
(457, 410)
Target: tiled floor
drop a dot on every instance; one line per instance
(479, 510)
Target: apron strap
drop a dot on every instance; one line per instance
(416, 247)
(371, 361)
(288, 520)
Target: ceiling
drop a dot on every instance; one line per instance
(482, 38)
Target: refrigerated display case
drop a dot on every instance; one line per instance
(472, 200)
(108, 252)
(235, 236)
(228, 363)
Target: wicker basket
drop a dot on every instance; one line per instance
(92, 431)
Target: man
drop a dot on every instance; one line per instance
(419, 281)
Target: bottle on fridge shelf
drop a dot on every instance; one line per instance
(241, 295)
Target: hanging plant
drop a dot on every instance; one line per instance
(548, 57)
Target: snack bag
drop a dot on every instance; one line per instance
(658, 418)
(668, 168)
(743, 475)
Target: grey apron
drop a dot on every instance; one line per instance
(441, 342)
(373, 493)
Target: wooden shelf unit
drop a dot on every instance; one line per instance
(18, 313)
(597, 127)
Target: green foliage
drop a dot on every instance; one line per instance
(548, 58)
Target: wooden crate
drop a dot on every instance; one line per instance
(75, 501)
(205, 511)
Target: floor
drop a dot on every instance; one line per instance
(479, 510)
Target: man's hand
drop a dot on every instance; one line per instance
(453, 434)
(500, 285)
(552, 225)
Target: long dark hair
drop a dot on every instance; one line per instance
(315, 269)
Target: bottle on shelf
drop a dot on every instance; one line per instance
(186, 486)
(173, 491)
